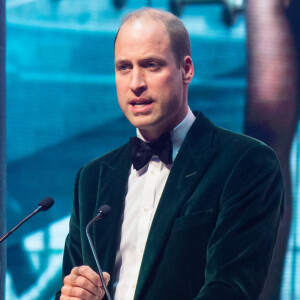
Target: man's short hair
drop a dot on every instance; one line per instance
(178, 34)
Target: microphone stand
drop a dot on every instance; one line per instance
(96, 218)
(23, 221)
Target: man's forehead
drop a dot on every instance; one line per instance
(135, 32)
(139, 22)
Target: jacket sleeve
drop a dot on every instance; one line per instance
(72, 251)
(240, 249)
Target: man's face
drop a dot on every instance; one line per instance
(150, 87)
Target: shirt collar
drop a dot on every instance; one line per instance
(178, 133)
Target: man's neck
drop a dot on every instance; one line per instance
(148, 136)
(177, 134)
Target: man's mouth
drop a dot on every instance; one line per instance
(139, 103)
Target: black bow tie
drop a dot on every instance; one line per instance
(142, 152)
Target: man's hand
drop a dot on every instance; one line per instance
(83, 283)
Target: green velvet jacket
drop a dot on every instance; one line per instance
(215, 227)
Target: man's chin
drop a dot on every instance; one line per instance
(141, 122)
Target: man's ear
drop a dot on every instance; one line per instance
(188, 70)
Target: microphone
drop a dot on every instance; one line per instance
(44, 205)
(101, 213)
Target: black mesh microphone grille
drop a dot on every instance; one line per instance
(46, 203)
(104, 210)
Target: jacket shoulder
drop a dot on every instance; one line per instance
(111, 158)
(236, 142)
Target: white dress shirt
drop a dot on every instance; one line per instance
(144, 190)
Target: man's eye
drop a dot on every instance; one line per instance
(153, 65)
(123, 67)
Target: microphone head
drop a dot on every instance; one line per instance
(103, 210)
(46, 203)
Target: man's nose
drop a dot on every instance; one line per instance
(138, 82)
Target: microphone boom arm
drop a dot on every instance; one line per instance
(23, 221)
(96, 218)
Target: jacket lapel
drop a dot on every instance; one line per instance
(111, 191)
(192, 160)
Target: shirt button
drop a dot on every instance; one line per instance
(133, 285)
(152, 172)
(146, 209)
